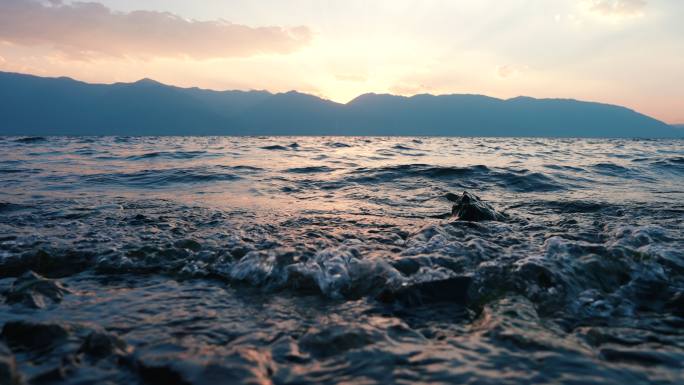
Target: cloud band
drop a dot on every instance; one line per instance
(86, 30)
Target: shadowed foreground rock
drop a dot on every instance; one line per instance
(452, 290)
(8, 367)
(31, 336)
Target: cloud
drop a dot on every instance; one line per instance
(2, 60)
(506, 71)
(620, 8)
(87, 30)
(510, 71)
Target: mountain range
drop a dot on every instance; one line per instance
(32, 105)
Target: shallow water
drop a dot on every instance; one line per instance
(330, 260)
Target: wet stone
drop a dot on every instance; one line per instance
(452, 290)
(32, 336)
(407, 266)
(101, 344)
(161, 375)
(36, 291)
(189, 244)
(469, 207)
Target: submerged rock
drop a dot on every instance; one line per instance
(335, 340)
(514, 321)
(469, 207)
(99, 344)
(34, 290)
(675, 304)
(9, 375)
(453, 290)
(157, 365)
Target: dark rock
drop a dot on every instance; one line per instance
(156, 365)
(52, 262)
(189, 244)
(32, 336)
(411, 265)
(300, 281)
(639, 357)
(239, 251)
(407, 266)
(676, 304)
(469, 207)
(161, 375)
(34, 290)
(101, 344)
(9, 375)
(452, 290)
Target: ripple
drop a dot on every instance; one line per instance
(342, 263)
(170, 155)
(508, 178)
(310, 170)
(160, 178)
(31, 140)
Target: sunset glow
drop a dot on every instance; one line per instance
(627, 52)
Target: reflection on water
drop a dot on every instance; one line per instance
(328, 260)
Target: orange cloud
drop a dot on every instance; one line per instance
(86, 30)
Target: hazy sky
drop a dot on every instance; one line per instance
(628, 52)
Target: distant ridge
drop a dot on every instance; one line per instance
(32, 105)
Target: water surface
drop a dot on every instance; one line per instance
(327, 260)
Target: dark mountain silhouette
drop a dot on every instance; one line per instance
(31, 105)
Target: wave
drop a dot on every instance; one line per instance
(673, 164)
(612, 169)
(278, 147)
(338, 145)
(31, 139)
(507, 178)
(574, 206)
(324, 268)
(160, 178)
(563, 274)
(19, 171)
(6, 207)
(171, 155)
(402, 147)
(309, 170)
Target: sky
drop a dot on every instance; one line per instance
(626, 52)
